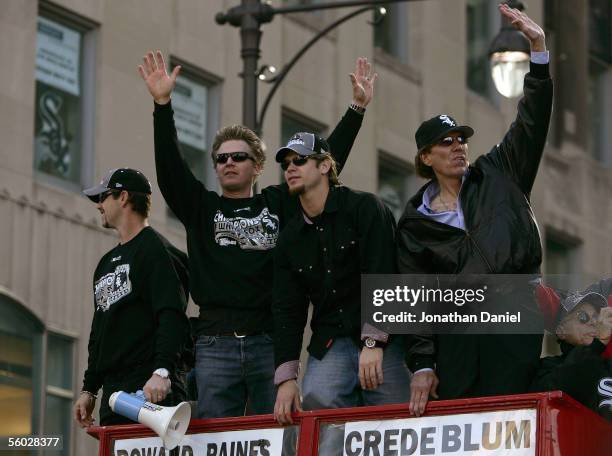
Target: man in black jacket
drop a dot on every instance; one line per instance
(476, 219)
(139, 328)
(321, 254)
(230, 239)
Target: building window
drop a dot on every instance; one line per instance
(63, 137)
(292, 123)
(483, 23)
(391, 34)
(563, 264)
(59, 390)
(20, 374)
(397, 183)
(195, 102)
(600, 80)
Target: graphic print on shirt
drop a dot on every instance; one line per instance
(249, 233)
(112, 287)
(605, 391)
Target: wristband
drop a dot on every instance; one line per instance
(358, 109)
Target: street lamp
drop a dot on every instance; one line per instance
(509, 54)
(249, 16)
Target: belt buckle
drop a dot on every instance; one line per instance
(239, 336)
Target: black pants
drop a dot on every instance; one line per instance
(132, 380)
(486, 365)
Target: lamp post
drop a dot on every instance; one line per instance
(249, 16)
(509, 54)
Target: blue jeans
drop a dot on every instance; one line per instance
(333, 382)
(231, 371)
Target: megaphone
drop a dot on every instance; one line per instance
(170, 423)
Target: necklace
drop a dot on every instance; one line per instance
(446, 206)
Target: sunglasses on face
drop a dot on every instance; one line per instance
(235, 156)
(105, 195)
(449, 140)
(297, 161)
(585, 318)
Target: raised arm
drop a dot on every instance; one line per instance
(519, 153)
(342, 138)
(176, 181)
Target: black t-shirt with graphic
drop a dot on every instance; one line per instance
(229, 241)
(140, 304)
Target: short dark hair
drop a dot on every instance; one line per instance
(423, 170)
(140, 202)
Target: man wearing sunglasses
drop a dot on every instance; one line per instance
(476, 219)
(320, 257)
(139, 328)
(230, 240)
(582, 322)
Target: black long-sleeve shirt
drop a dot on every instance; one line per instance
(229, 241)
(140, 304)
(321, 261)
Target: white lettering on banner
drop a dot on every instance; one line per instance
(252, 442)
(58, 52)
(488, 433)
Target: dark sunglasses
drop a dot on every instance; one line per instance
(235, 156)
(585, 318)
(449, 140)
(105, 195)
(297, 161)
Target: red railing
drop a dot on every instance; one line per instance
(563, 426)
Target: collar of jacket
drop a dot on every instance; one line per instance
(331, 205)
(474, 175)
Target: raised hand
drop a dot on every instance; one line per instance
(525, 24)
(363, 82)
(159, 82)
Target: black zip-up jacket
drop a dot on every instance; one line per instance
(230, 240)
(501, 235)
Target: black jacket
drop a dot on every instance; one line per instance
(580, 372)
(321, 261)
(501, 233)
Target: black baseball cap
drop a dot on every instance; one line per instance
(437, 128)
(303, 144)
(120, 179)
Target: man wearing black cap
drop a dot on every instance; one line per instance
(339, 235)
(139, 327)
(477, 219)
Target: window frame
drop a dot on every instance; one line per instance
(88, 83)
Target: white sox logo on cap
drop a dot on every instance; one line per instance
(445, 119)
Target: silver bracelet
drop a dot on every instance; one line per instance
(89, 394)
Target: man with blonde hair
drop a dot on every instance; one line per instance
(230, 239)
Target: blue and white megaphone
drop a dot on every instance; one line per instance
(170, 423)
